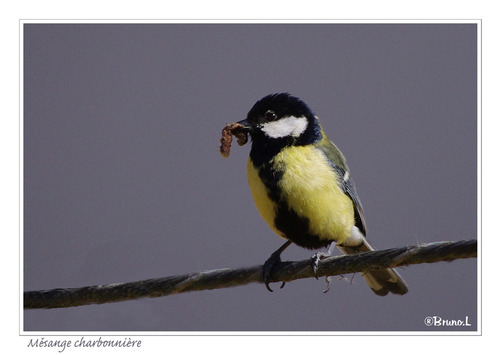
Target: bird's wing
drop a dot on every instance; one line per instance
(338, 163)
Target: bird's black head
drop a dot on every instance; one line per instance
(276, 106)
(280, 120)
(282, 117)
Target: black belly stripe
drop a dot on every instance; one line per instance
(296, 228)
(287, 221)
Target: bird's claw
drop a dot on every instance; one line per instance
(269, 265)
(328, 279)
(315, 259)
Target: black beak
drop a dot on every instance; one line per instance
(246, 126)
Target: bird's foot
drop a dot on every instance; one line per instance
(315, 259)
(269, 265)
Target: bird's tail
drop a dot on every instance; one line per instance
(380, 281)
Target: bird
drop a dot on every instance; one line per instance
(302, 187)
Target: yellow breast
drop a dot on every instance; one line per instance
(311, 188)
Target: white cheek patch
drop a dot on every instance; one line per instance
(287, 126)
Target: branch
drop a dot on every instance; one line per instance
(222, 278)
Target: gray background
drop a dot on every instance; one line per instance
(123, 180)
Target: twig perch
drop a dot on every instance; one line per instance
(222, 278)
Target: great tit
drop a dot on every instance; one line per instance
(302, 188)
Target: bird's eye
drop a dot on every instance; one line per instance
(270, 115)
